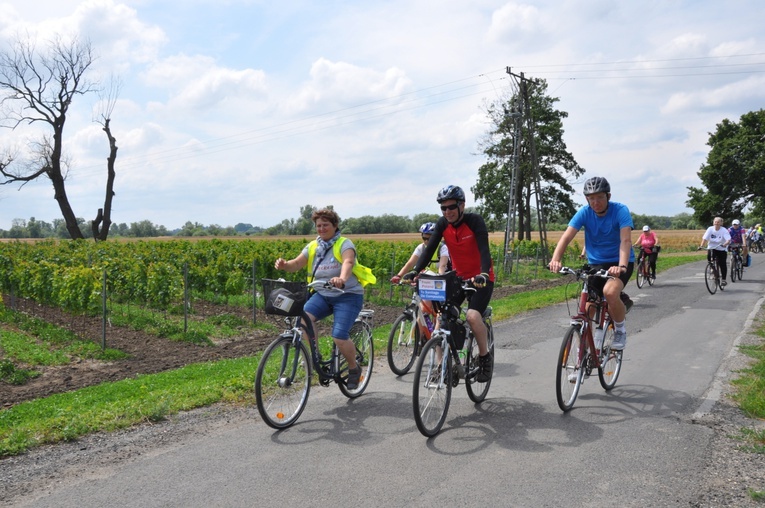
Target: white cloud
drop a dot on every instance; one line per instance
(229, 107)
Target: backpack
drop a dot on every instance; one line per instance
(363, 273)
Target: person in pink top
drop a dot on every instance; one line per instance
(649, 246)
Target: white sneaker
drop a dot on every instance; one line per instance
(620, 340)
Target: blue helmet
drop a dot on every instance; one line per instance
(428, 228)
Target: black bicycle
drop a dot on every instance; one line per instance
(712, 273)
(450, 355)
(644, 273)
(283, 378)
(736, 263)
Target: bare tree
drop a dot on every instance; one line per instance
(103, 221)
(38, 88)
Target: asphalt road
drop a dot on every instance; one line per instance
(635, 446)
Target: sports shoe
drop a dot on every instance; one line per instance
(354, 376)
(620, 340)
(626, 300)
(723, 283)
(485, 366)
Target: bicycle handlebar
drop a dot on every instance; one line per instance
(581, 273)
(324, 284)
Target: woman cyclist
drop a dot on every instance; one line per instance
(649, 244)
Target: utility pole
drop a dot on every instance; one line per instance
(524, 106)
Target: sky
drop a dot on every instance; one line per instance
(244, 111)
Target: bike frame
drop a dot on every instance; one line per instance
(584, 322)
(327, 370)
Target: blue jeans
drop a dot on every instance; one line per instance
(345, 308)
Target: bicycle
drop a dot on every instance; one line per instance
(736, 263)
(408, 334)
(712, 273)
(450, 355)
(283, 377)
(582, 350)
(758, 245)
(644, 273)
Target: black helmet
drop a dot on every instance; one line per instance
(596, 184)
(451, 192)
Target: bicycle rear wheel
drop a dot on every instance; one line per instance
(432, 387)
(282, 382)
(710, 279)
(610, 362)
(476, 390)
(569, 372)
(361, 335)
(403, 343)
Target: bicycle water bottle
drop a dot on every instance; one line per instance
(598, 334)
(429, 323)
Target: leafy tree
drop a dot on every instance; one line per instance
(421, 218)
(38, 89)
(734, 172)
(556, 165)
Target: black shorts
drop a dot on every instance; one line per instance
(480, 299)
(597, 283)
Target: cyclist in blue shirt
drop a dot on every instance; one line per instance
(608, 244)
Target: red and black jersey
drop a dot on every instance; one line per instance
(468, 244)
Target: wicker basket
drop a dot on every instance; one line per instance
(284, 298)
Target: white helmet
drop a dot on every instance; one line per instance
(736, 222)
(646, 228)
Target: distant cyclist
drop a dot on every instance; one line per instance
(442, 261)
(649, 243)
(717, 238)
(608, 244)
(467, 238)
(738, 238)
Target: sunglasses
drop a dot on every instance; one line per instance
(450, 207)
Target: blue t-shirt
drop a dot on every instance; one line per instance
(602, 235)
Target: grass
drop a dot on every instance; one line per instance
(171, 326)
(150, 398)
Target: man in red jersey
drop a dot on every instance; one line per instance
(467, 239)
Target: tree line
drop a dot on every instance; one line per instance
(302, 226)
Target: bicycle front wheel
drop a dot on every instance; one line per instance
(361, 335)
(476, 390)
(403, 343)
(641, 275)
(710, 279)
(282, 382)
(432, 387)
(610, 362)
(569, 373)
(740, 268)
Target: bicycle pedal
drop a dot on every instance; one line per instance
(324, 382)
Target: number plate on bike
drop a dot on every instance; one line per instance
(432, 289)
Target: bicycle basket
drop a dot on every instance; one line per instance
(440, 288)
(284, 298)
